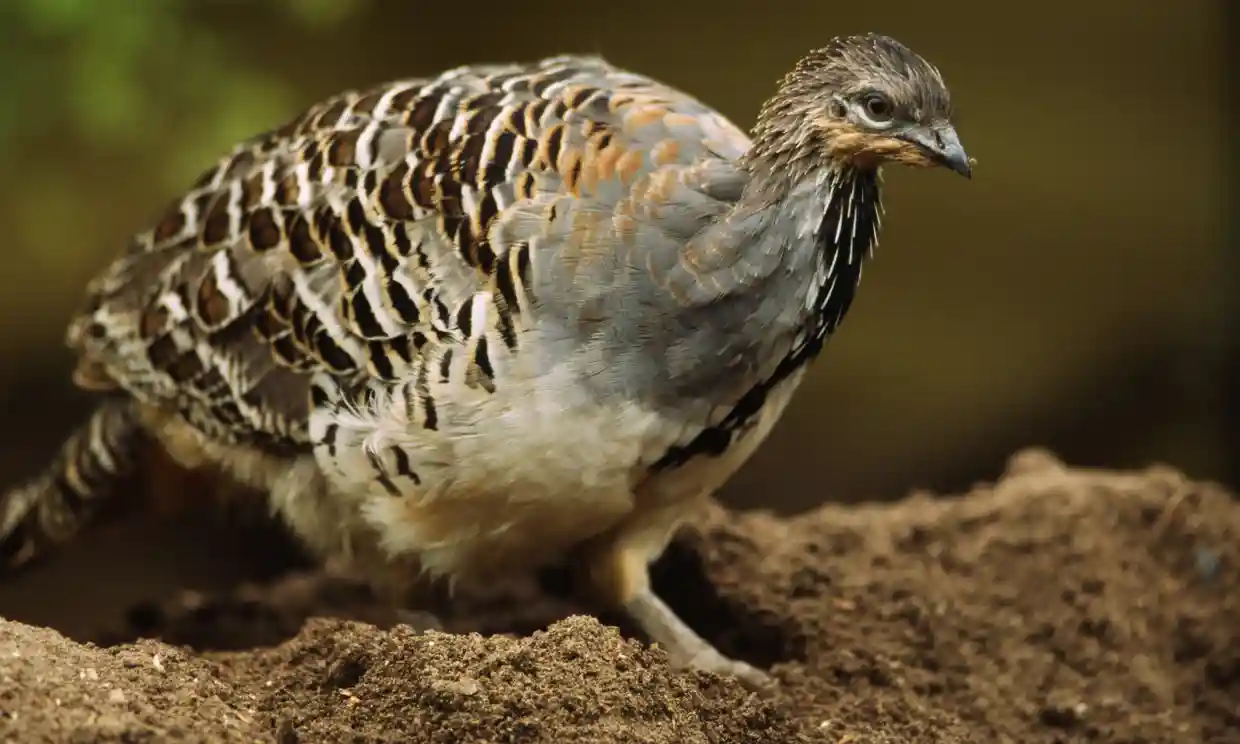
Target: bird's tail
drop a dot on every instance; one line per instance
(48, 510)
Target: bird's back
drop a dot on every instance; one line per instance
(413, 230)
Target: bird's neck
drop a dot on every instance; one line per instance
(769, 281)
(796, 262)
(841, 209)
(805, 234)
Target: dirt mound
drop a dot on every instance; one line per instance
(1058, 605)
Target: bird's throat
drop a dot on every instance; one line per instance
(846, 235)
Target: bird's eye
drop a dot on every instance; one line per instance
(877, 107)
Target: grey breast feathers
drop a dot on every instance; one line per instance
(372, 229)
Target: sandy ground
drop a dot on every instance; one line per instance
(1057, 605)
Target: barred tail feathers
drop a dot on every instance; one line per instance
(50, 509)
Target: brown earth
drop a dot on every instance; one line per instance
(1058, 605)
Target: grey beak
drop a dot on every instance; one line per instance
(943, 146)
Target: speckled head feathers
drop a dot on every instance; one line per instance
(851, 66)
(861, 101)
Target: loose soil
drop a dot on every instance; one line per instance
(1058, 605)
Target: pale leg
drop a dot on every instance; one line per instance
(618, 573)
(685, 647)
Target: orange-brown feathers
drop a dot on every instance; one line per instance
(845, 142)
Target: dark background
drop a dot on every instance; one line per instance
(1079, 293)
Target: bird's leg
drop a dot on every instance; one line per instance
(685, 647)
(619, 573)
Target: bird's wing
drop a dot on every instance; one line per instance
(365, 233)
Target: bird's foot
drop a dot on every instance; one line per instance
(709, 659)
(687, 649)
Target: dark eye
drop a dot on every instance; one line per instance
(877, 107)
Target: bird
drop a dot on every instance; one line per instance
(462, 326)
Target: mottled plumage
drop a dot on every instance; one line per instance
(470, 324)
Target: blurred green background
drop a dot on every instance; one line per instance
(1075, 294)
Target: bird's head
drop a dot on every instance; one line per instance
(864, 101)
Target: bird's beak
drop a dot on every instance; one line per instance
(942, 145)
